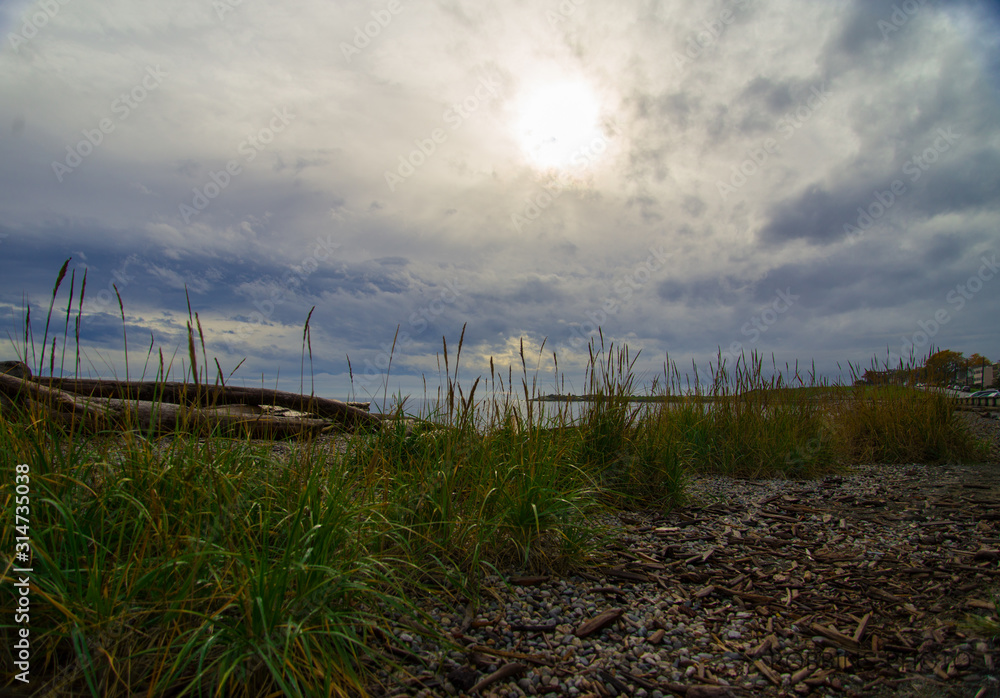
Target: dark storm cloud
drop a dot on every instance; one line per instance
(694, 206)
(703, 291)
(954, 173)
(816, 215)
(777, 97)
(852, 279)
(965, 186)
(860, 32)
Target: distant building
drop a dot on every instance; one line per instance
(981, 376)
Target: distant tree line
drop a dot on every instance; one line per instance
(940, 368)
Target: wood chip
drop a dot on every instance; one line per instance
(609, 590)
(599, 622)
(801, 674)
(521, 656)
(836, 636)
(703, 691)
(977, 603)
(611, 679)
(767, 672)
(747, 596)
(859, 632)
(639, 681)
(770, 642)
(504, 672)
(468, 618)
(707, 591)
(619, 573)
(535, 628)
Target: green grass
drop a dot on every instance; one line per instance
(203, 567)
(903, 425)
(987, 626)
(183, 565)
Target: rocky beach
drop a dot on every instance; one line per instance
(860, 584)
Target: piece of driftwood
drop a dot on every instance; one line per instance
(171, 406)
(18, 369)
(189, 393)
(22, 391)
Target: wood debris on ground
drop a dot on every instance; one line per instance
(855, 585)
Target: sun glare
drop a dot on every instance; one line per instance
(559, 125)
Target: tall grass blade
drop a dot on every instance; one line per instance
(48, 317)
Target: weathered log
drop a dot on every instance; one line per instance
(214, 395)
(165, 417)
(17, 369)
(237, 410)
(21, 391)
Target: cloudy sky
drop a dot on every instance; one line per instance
(817, 180)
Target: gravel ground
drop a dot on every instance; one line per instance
(853, 585)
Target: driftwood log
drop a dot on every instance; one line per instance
(165, 407)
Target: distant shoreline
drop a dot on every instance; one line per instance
(629, 398)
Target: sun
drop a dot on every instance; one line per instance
(559, 125)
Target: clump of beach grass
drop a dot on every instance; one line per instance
(902, 423)
(198, 566)
(749, 424)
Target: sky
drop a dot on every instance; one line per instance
(812, 181)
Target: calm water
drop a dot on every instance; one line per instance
(428, 408)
